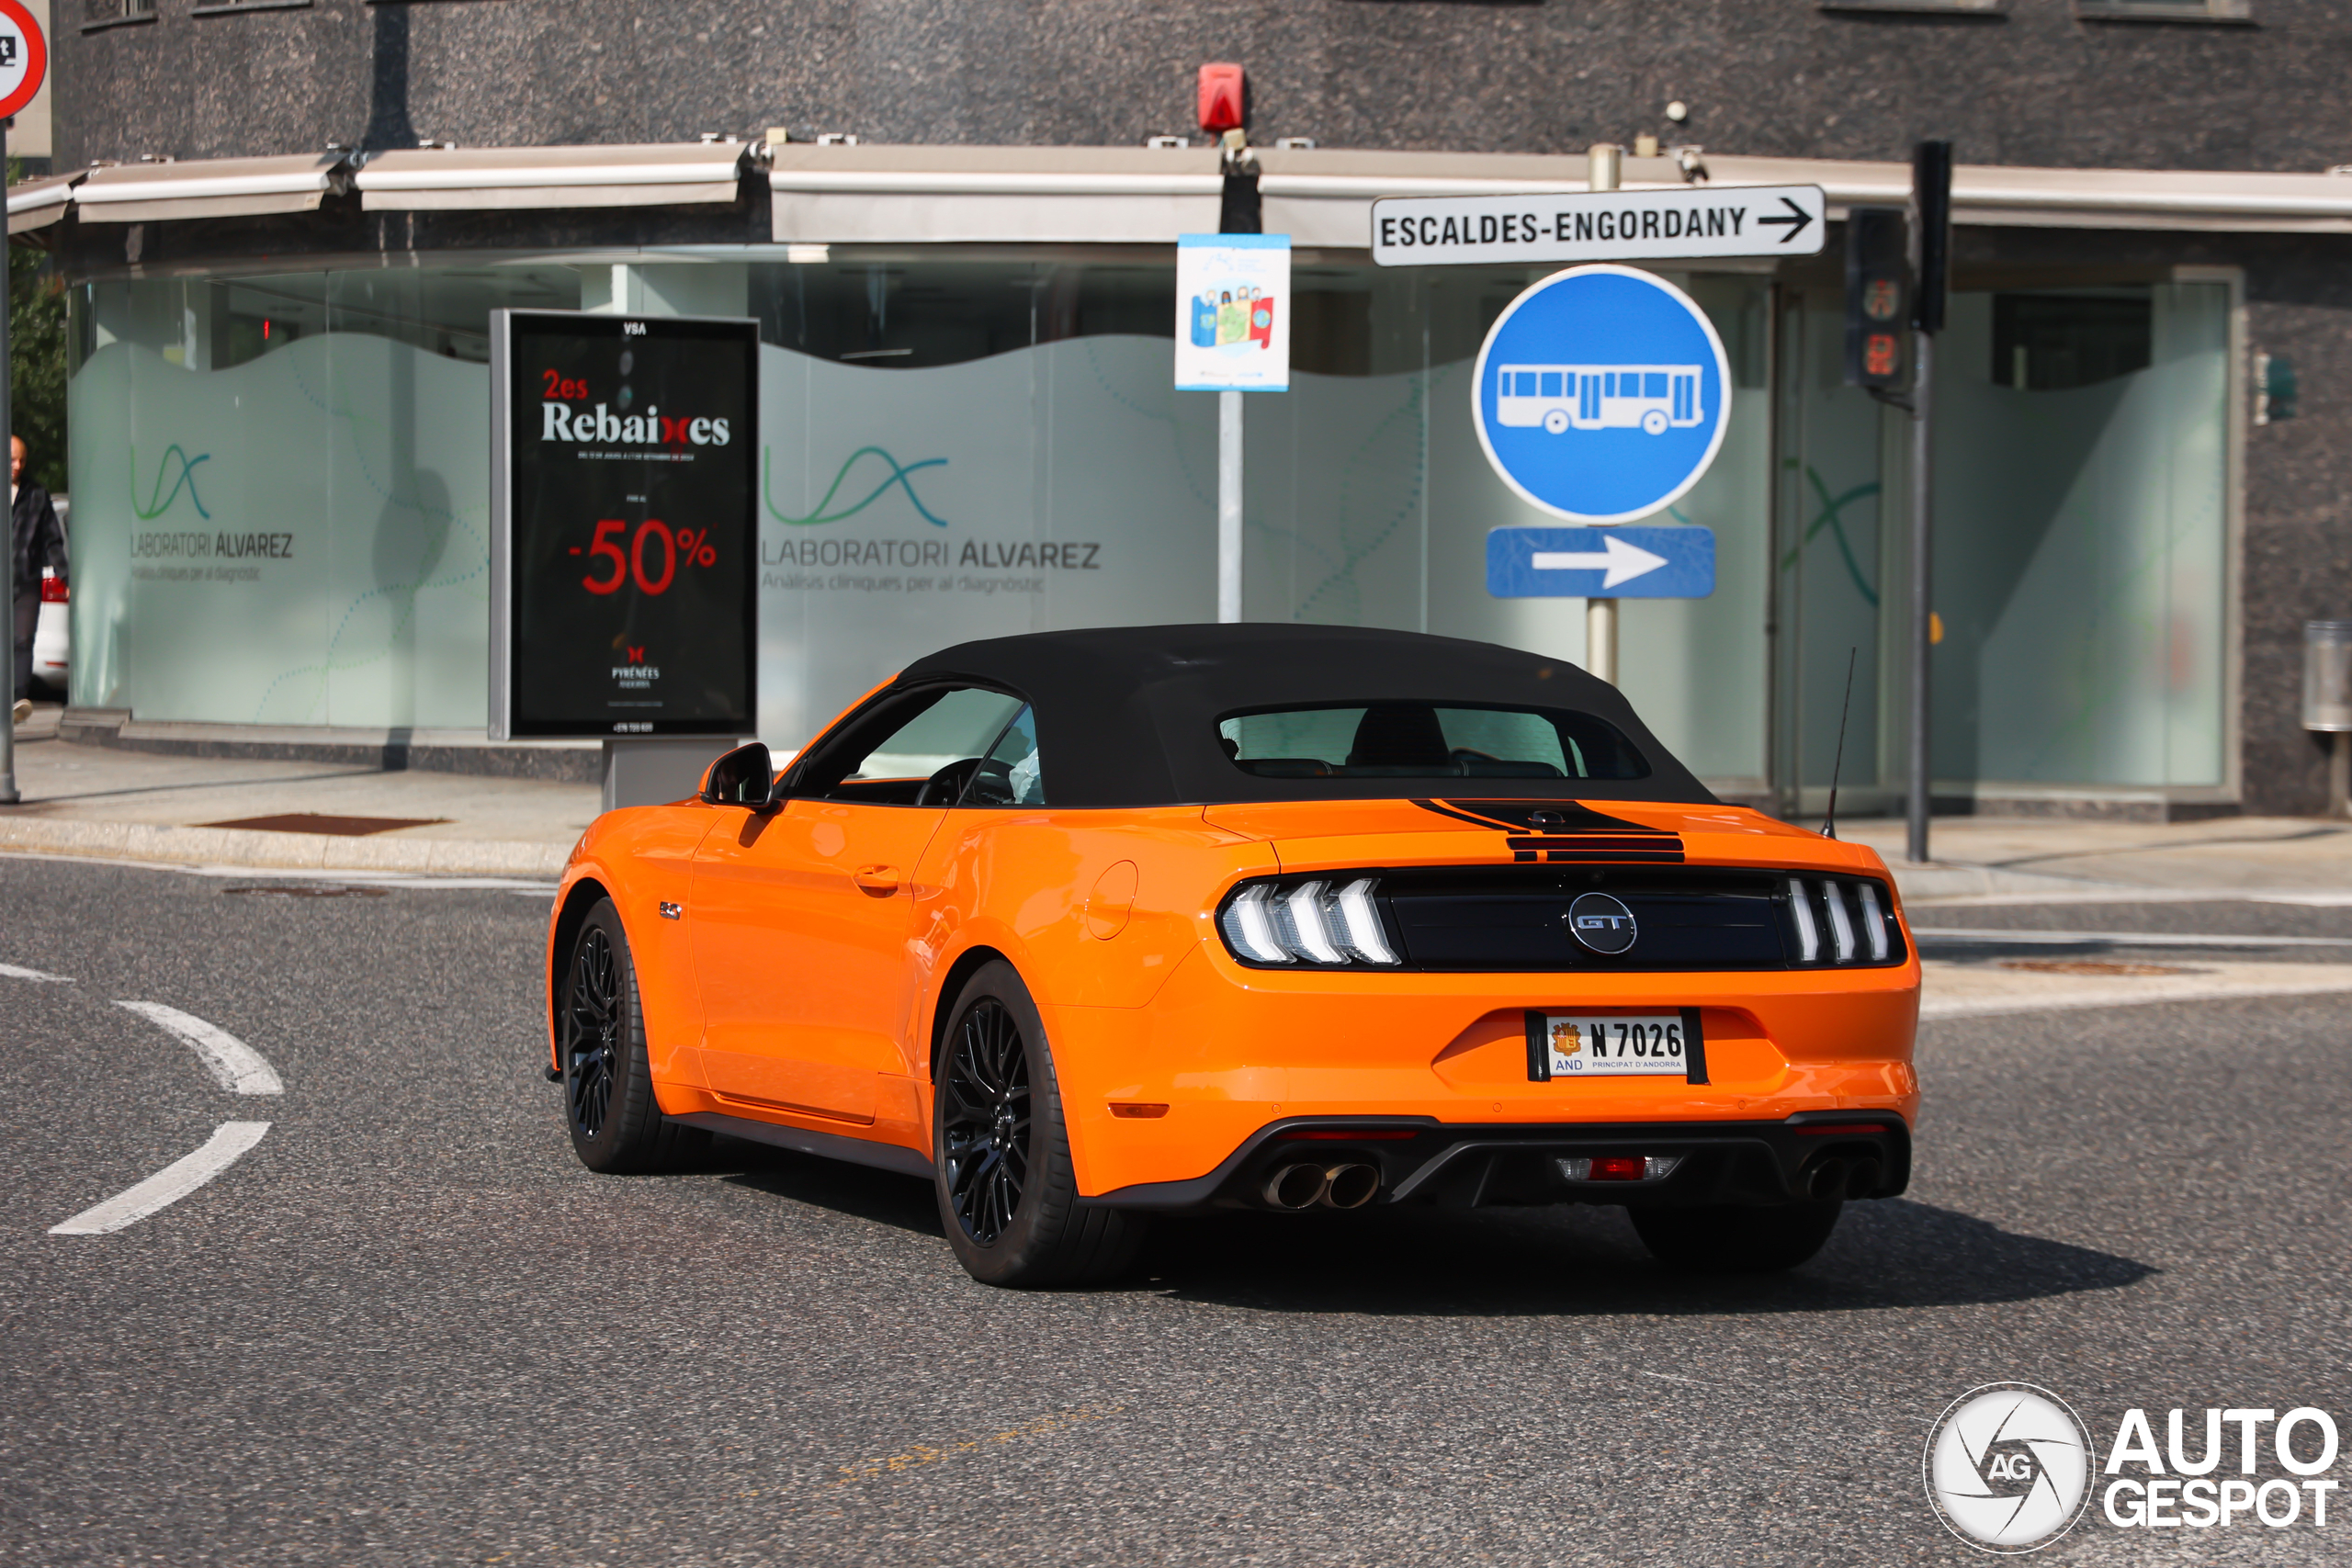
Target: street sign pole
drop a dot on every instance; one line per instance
(24, 61)
(1931, 206)
(1232, 337)
(1228, 506)
(1923, 397)
(8, 796)
(1600, 615)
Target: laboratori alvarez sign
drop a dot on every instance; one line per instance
(2011, 1468)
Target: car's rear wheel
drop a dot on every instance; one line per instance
(1730, 1239)
(1008, 1192)
(608, 1101)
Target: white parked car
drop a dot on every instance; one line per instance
(52, 638)
(52, 635)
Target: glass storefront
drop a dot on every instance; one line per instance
(281, 496)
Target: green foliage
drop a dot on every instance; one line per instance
(37, 357)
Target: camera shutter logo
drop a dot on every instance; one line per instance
(2008, 1467)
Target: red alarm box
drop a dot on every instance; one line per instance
(1221, 99)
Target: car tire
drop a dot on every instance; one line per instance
(1001, 1159)
(1725, 1238)
(617, 1126)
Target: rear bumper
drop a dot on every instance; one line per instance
(1164, 1095)
(1813, 1154)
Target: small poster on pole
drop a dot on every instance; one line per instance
(1233, 312)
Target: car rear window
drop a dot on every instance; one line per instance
(1431, 740)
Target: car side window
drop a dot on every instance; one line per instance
(921, 749)
(1011, 773)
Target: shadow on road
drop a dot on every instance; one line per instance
(1576, 1261)
(880, 1196)
(1569, 1261)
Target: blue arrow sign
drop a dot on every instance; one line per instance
(1615, 563)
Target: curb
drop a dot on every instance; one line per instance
(1918, 883)
(298, 851)
(390, 751)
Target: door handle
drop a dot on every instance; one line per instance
(881, 879)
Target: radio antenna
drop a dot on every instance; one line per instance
(1838, 763)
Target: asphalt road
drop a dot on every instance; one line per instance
(409, 1329)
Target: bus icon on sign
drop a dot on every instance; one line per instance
(1653, 399)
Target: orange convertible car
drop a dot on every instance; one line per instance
(1089, 926)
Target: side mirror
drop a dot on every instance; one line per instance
(743, 777)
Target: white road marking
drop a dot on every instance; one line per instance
(2118, 893)
(10, 971)
(1987, 935)
(238, 1066)
(539, 888)
(1982, 990)
(168, 1186)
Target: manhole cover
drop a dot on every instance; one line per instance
(313, 822)
(2089, 966)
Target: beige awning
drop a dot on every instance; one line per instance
(496, 178)
(1324, 198)
(1032, 195)
(38, 203)
(210, 188)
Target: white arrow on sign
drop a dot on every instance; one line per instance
(1617, 561)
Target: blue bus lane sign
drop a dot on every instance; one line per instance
(1602, 394)
(1588, 563)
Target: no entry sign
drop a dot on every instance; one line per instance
(24, 57)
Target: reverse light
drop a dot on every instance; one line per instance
(1620, 1167)
(1317, 922)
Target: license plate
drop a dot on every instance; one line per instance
(1590, 1046)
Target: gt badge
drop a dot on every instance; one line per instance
(670, 911)
(1602, 924)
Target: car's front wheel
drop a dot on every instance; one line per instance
(1727, 1238)
(1007, 1190)
(600, 1033)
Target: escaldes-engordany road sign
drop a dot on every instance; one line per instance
(1599, 226)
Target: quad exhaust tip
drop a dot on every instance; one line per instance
(1296, 1187)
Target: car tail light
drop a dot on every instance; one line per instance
(52, 590)
(1324, 923)
(1839, 920)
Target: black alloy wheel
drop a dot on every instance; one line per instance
(609, 1105)
(592, 1026)
(984, 1121)
(999, 1154)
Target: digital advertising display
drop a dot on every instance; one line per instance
(625, 546)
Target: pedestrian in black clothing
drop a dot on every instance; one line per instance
(38, 540)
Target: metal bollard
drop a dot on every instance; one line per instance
(2327, 703)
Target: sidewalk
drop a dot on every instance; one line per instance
(98, 800)
(126, 804)
(2012, 860)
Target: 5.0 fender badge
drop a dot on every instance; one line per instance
(1602, 924)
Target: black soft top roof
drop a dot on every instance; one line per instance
(1128, 715)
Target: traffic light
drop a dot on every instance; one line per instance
(1878, 299)
(1931, 194)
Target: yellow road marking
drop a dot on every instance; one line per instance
(920, 1455)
